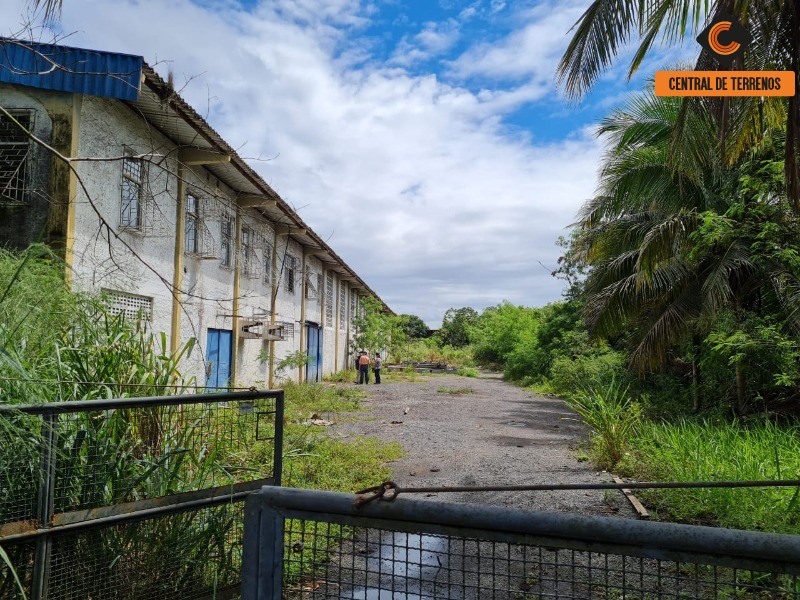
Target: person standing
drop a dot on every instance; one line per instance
(376, 367)
(363, 368)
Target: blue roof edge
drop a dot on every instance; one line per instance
(68, 69)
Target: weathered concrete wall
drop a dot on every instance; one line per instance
(140, 261)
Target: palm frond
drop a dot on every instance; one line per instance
(600, 33)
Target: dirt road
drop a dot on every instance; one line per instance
(493, 433)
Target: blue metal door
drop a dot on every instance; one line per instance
(218, 358)
(314, 352)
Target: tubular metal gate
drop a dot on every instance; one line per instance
(308, 544)
(133, 498)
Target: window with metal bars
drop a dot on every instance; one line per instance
(247, 250)
(132, 192)
(342, 307)
(14, 162)
(313, 285)
(329, 299)
(226, 241)
(192, 244)
(353, 304)
(289, 267)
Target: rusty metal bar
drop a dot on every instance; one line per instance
(770, 552)
(19, 529)
(94, 405)
(44, 530)
(140, 515)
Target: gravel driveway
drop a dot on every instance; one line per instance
(496, 434)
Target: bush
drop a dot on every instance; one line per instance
(467, 372)
(569, 376)
(613, 417)
(429, 350)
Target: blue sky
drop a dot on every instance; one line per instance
(427, 141)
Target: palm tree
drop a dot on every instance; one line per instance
(636, 231)
(608, 26)
(660, 274)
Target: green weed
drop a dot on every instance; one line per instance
(706, 451)
(455, 391)
(467, 372)
(612, 416)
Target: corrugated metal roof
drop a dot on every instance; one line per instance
(174, 117)
(66, 69)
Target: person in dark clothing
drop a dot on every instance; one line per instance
(376, 367)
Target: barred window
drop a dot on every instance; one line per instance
(353, 304)
(192, 224)
(290, 265)
(226, 241)
(132, 186)
(247, 263)
(329, 299)
(342, 306)
(313, 285)
(14, 164)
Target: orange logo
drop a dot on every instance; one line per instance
(716, 45)
(725, 39)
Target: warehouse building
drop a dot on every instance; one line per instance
(155, 209)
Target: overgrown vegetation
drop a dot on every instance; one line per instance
(720, 451)
(613, 417)
(314, 459)
(58, 346)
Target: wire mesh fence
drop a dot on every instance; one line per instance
(184, 555)
(75, 476)
(319, 545)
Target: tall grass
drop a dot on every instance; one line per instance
(704, 451)
(612, 415)
(58, 346)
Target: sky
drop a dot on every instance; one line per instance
(425, 140)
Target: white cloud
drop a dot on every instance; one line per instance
(530, 51)
(418, 183)
(433, 40)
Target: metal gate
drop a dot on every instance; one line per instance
(134, 498)
(307, 544)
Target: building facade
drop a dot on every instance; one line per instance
(102, 159)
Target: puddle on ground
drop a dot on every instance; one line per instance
(407, 563)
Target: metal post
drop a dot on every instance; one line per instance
(46, 505)
(262, 559)
(277, 460)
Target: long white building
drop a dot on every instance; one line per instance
(160, 212)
